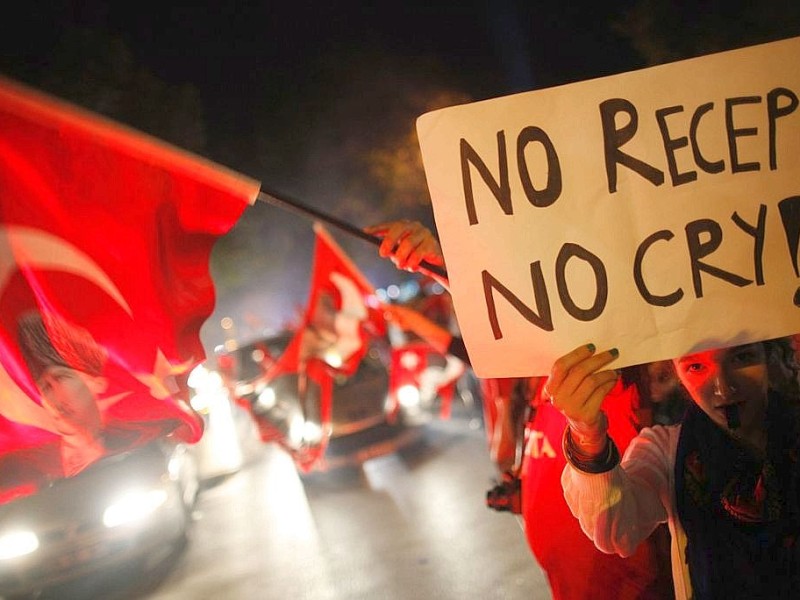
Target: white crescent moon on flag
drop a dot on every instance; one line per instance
(349, 317)
(26, 246)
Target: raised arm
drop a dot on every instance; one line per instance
(618, 505)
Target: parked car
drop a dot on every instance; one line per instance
(127, 509)
(363, 424)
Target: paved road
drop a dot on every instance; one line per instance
(412, 525)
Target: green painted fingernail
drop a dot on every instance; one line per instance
(591, 347)
(614, 352)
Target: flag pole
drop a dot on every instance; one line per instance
(292, 205)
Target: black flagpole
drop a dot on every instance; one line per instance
(271, 197)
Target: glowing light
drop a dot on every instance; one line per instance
(133, 507)
(304, 432)
(200, 403)
(312, 432)
(409, 360)
(333, 358)
(296, 430)
(266, 399)
(198, 377)
(244, 389)
(226, 323)
(393, 291)
(408, 396)
(18, 543)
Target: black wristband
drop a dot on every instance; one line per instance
(600, 464)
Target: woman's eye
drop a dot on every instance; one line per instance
(745, 358)
(693, 367)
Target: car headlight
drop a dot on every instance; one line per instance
(18, 543)
(408, 396)
(133, 507)
(304, 432)
(333, 358)
(312, 432)
(266, 399)
(200, 403)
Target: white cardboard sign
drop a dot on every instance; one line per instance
(656, 211)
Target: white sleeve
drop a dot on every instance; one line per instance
(620, 508)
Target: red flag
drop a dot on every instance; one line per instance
(409, 361)
(342, 312)
(427, 372)
(310, 381)
(105, 239)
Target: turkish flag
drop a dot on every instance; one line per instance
(343, 310)
(433, 374)
(342, 313)
(105, 240)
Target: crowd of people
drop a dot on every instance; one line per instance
(678, 478)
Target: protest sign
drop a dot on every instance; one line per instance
(655, 211)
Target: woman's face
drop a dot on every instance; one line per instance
(730, 376)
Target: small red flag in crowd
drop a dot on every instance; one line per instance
(425, 371)
(341, 315)
(343, 309)
(105, 240)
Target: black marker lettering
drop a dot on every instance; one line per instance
(614, 139)
(775, 112)
(500, 189)
(733, 133)
(542, 319)
(638, 277)
(673, 144)
(552, 190)
(758, 231)
(567, 252)
(699, 250)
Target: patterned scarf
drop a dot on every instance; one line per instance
(741, 514)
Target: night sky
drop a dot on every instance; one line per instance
(241, 55)
(274, 66)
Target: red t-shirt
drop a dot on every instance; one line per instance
(575, 568)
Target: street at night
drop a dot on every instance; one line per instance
(291, 293)
(408, 525)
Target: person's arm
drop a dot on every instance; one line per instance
(618, 505)
(620, 508)
(408, 244)
(577, 385)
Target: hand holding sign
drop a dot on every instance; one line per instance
(577, 386)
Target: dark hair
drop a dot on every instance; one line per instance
(784, 371)
(51, 341)
(640, 376)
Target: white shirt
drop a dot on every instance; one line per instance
(620, 508)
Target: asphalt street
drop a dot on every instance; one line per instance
(410, 525)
